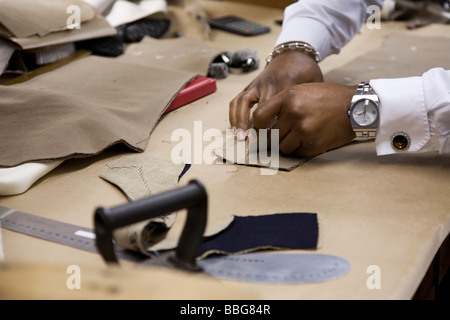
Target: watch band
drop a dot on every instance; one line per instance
(364, 89)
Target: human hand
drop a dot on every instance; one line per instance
(311, 118)
(287, 69)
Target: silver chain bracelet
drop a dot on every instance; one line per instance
(294, 45)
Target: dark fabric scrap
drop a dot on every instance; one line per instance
(187, 166)
(282, 230)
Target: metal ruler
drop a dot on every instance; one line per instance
(55, 231)
(272, 268)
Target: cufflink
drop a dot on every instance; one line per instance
(400, 141)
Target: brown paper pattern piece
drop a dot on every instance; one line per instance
(248, 153)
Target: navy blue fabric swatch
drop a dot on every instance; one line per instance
(281, 230)
(187, 166)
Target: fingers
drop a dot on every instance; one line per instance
(240, 106)
(267, 93)
(282, 113)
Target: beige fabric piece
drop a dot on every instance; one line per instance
(83, 108)
(400, 56)
(95, 102)
(42, 17)
(47, 22)
(185, 54)
(140, 176)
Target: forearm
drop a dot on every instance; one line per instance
(327, 25)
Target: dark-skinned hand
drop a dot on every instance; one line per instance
(285, 70)
(311, 118)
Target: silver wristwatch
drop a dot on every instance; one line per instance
(364, 112)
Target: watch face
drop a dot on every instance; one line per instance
(365, 112)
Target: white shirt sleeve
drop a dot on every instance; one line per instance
(417, 106)
(327, 25)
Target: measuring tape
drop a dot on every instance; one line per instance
(274, 268)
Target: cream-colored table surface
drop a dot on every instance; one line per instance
(392, 212)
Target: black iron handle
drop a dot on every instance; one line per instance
(192, 197)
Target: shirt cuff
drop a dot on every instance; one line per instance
(307, 30)
(402, 111)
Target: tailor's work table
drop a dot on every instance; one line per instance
(387, 216)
